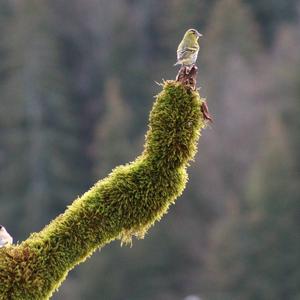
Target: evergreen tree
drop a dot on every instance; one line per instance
(229, 54)
(271, 14)
(255, 253)
(36, 118)
(112, 144)
(231, 34)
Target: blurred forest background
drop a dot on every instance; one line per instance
(76, 87)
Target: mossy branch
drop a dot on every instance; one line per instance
(125, 203)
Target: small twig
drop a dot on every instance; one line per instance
(187, 76)
(205, 112)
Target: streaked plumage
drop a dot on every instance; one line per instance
(5, 238)
(187, 51)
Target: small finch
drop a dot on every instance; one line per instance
(187, 51)
(5, 238)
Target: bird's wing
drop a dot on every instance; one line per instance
(185, 52)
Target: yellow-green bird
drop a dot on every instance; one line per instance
(187, 51)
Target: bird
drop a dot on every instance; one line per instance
(187, 51)
(5, 238)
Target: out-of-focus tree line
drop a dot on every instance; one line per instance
(77, 81)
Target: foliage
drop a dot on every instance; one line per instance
(112, 131)
(255, 250)
(64, 121)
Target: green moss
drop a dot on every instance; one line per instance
(125, 203)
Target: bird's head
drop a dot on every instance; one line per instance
(192, 35)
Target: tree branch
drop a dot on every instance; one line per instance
(124, 204)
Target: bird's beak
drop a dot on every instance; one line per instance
(199, 34)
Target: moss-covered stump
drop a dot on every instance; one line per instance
(125, 203)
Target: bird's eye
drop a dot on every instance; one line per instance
(1, 227)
